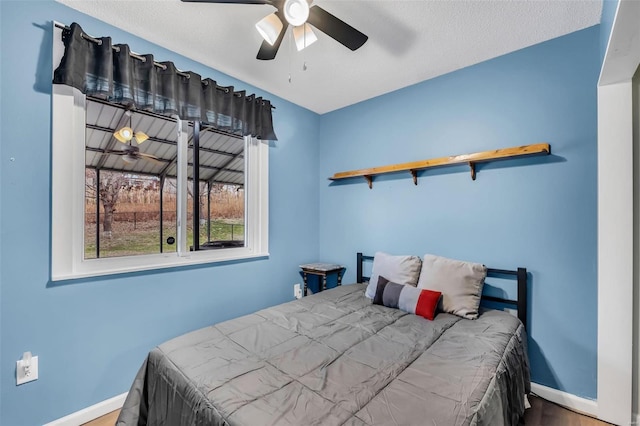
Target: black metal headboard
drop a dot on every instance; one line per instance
(520, 274)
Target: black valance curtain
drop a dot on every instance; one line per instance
(96, 67)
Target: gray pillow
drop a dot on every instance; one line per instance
(398, 269)
(459, 282)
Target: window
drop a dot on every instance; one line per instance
(176, 193)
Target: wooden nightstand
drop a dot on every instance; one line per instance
(321, 270)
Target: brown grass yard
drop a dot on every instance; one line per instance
(224, 204)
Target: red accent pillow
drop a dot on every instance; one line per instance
(427, 303)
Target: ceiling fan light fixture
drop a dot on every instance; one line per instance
(124, 135)
(296, 12)
(304, 36)
(269, 28)
(140, 137)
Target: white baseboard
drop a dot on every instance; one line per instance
(570, 401)
(91, 413)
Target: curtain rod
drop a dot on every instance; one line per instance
(141, 58)
(117, 49)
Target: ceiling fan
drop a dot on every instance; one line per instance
(299, 15)
(125, 133)
(131, 153)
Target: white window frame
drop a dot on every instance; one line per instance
(68, 193)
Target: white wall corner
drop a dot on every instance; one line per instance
(615, 253)
(616, 394)
(91, 413)
(636, 246)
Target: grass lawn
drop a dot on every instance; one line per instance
(144, 237)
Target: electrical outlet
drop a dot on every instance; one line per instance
(297, 291)
(26, 369)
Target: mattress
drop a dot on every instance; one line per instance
(334, 358)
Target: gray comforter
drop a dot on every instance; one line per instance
(336, 359)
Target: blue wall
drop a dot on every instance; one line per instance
(609, 8)
(92, 336)
(539, 213)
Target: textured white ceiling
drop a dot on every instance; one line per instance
(409, 41)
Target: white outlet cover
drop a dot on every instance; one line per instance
(21, 376)
(297, 291)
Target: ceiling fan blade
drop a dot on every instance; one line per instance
(336, 28)
(151, 158)
(267, 51)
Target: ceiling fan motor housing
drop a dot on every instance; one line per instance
(296, 12)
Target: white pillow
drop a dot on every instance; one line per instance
(459, 282)
(397, 269)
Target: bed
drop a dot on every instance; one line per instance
(335, 358)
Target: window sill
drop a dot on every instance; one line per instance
(124, 265)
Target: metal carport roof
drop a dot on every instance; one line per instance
(221, 155)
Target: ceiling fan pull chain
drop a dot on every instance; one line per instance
(290, 54)
(304, 53)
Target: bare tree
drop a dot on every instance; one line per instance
(202, 199)
(111, 185)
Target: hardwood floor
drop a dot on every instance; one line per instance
(541, 413)
(545, 413)
(106, 420)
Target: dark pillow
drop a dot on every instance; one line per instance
(407, 298)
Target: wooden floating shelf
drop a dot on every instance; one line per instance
(470, 159)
